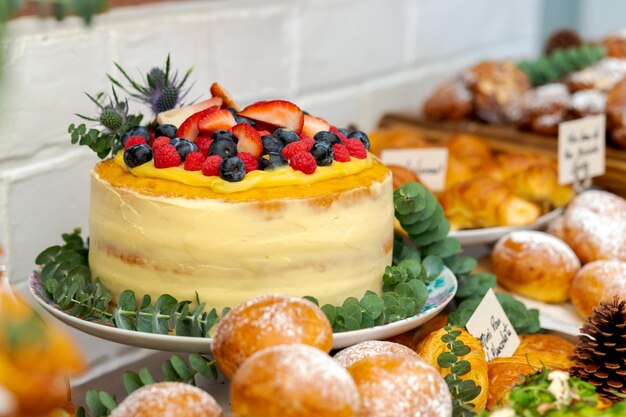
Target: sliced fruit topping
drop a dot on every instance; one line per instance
(357, 134)
(219, 91)
(160, 141)
(249, 140)
(189, 128)
(184, 148)
(224, 134)
(313, 124)
(216, 120)
(177, 116)
(203, 142)
(278, 113)
(135, 140)
(271, 144)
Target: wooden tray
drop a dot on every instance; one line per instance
(505, 138)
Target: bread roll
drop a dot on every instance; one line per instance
(555, 228)
(293, 381)
(394, 386)
(265, 321)
(535, 264)
(598, 281)
(167, 399)
(601, 76)
(355, 353)
(594, 225)
(450, 101)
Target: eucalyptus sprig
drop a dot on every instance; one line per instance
(175, 369)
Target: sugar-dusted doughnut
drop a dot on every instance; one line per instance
(355, 353)
(598, 281)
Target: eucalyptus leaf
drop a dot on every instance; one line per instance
(131, 382)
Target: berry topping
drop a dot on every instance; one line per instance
(336, 131)
(271, 144)
(194, 161)
(296, 147)
(178, 115)
(342, 154)
(223, 147)
(271, 161)
(286, 136)
(175, 141)
(185, 147)
(137, 155)
(343, 131)
(135, 140)
(136, 131)
(313, 124)
(356, 148)
(357, 134)
(189, 128)
(249, 161)
(244, 120)
(166, 157)
(165, 130)
(216, 120)
(249, 140)
(203, 142)
(219, 91)
(211, 166)
(160, 141)
(323, 153)
(224, 134)
(264, 132)
(303, 161)
(277, 113)
(328, 137)
(232, 169)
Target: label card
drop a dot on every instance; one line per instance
(492, 327)
(429, 164)
(581, 149)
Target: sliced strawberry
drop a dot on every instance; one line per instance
(219, 91)
(177, 116)
(249, 140)
(277, 113)
(313, 124)
(189, 128)
(216, 120)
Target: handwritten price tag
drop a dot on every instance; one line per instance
(581, 149)
(492, 327)
(429, 164)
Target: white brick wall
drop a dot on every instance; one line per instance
(346, 60)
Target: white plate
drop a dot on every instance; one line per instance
(440, 293)
(493, 234)
(561, 318)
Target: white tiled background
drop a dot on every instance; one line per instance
(346, 60)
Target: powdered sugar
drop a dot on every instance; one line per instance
(353, 354)
(549, 97)
(588, 102)
(534, 242)
(611, 273)
(602, 76)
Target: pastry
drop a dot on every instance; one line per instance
(210, 230)
(394, 386)
(471, 149)
(355, 353)
(268, 320)
(615, 45)
(545, 107)
(535, 264)
(561, 39)
(395, 138)
(402, 175)
(432, 346)
(293, 381)
(598, 281)
(587, 103)
(508, 164)
(498, 88)
(458, 171)
(167, 399)
(546, 348)
(616, 114)
(539, 183)
(8, 404)
(450, 101)
(555, 228)
(594, 225)
(601, 76)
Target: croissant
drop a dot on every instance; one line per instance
(484, 202)
(540, 183)
(471, 149)
(507, 164)
(395, 138)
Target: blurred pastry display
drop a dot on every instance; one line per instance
(450, 101)
(616, 114)
(596, 282)
(545, 107)
(347, 357)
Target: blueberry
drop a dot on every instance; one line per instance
(165, 130)
(244, 120)
(357, 134)
(137, 155)
(344, 131)
(185, 147)
(328, 137)
(224, 134)
(232, 169)
(323, 153)
(136, 131)
(232, 110)
(271, 144)
(175, 141)
(273, 160)
(286, 136)
(223, 147)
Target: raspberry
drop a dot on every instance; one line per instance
(160, 141)
(194, 161)
(211, 166)
(165, 156)
(135, 140)
(295, 147)
(308, 140)
(203, 142)
(249, 161)
(303, 161)
(341, 153)
(356, 148)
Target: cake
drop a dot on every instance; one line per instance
(211, 232)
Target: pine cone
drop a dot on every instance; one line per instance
(600, 354)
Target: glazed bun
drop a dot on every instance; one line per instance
(535, 264)
(293, 381)
(596, 282)
(167, 399)
(266, 321)
(355, 353)
(396, 386)
(594, 226)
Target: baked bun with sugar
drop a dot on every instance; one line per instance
(598, 281)
(353, 354)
